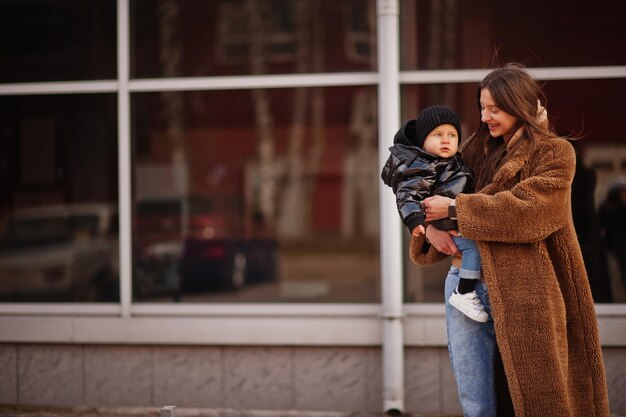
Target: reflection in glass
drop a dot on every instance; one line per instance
(590, 109)
(58, 189)
(259, 196)
(191, 38)
(59, 253)
(59, 40)
(612, 214)
(482, 34)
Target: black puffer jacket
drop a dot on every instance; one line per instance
(415, 174)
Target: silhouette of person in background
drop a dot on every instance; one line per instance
(612, 214)
(588, 230)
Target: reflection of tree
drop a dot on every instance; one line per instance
(301, 170)
(287, 209)
(172, 101)
(280, 186)
(292, 205)
(265, 164)
(359, 215)
(442, 46)
(359, 195)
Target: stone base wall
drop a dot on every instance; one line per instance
(285, 378)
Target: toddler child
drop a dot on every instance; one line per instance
(424, 162)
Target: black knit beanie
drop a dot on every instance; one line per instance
(430, 118)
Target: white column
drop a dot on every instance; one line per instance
(123, 160)
(391, 232)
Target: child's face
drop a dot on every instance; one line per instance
(442, 141)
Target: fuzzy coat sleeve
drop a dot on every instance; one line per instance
(532, 209)
(423, 253)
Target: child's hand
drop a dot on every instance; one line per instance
(418, 230)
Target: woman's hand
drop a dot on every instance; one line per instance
(436, 207)
(441, 240)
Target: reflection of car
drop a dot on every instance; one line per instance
(60, 253)
(156, 270)
(227, 263)
(213, 253)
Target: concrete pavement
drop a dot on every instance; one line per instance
(35, 411)
(43, 411)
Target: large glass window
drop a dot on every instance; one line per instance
(599, 187)
(455, 34)
(265, 195)
(58, 198)
(256, 195)
(192, 38)
(42, 40)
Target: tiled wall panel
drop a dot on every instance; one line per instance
(272, 378)
(118, 375)
(8, 371)
(188, 376)
(50, 374)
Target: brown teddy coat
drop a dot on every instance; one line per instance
(541, 301)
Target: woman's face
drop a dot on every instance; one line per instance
(500, 123)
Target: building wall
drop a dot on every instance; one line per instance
(250, 377)
(200, 353)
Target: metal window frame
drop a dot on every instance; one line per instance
(128, 322)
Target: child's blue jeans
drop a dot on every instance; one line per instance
(470, 264)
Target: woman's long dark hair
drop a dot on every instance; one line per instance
(515, 92)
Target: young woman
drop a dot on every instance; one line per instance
(538, 293)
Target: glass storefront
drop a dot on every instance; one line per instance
(58, 188)
(196, 38)
(256, 195)
(61, 40)
(461, 34)
(265, 195)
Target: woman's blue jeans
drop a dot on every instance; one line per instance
(471, 346)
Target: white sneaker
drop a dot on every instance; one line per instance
(470, 305)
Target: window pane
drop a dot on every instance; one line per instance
(174, 38)
(595, 114)
(259, 196)
(58, 193)
(42, 40)
(469, 33)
